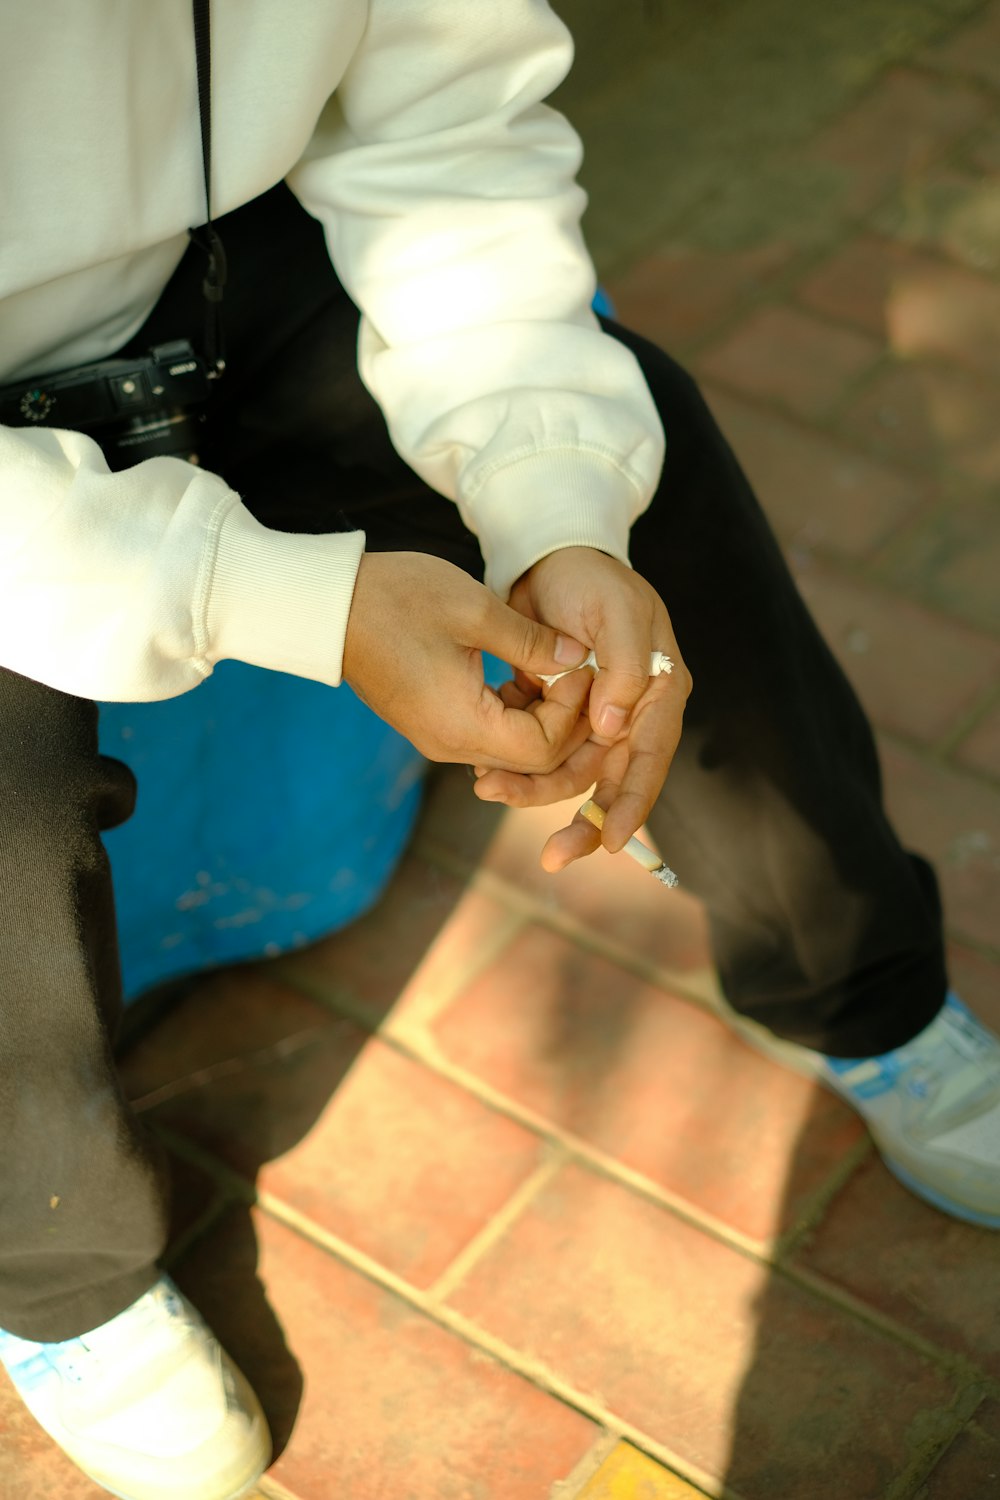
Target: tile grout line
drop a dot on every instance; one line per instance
(566, 1146)
(578, 1481)
(782, 289)
(423, 1052)
(927, 758)
(235, 1188)
(864, 569)
(573, 1150)
(583, 1472)
(957, 1365)
(944, 749)
(910, 1481)
(341, 1001)
(487, 951)
(847, 227)
(829, 427)
(818, 1204)
(542, 1376)
(675, 982)
(227, 1067)
(569, 1150)
(846, 223)
(774, 1254)
(272, 1489)
(554, 1158)
(768, 1254)
(523, 911)
(945, 486)
(977, 946)
(534, 1370)
(564, 923)
(576, 1148)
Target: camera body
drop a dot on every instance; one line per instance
(133, 408)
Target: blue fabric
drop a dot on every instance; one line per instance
(603, 304)
(271, 810)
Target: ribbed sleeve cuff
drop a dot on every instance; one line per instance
(549, 500)
(281, 600)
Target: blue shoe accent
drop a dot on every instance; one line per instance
(933, 1108)
(28, 1364)
(874, 1075)
(880, 1074)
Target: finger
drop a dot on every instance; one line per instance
(580, 837)
(651, 745)
(622, 648)
(577, 774)
(514, 696)
(538, 737)
(528, 683)
(525, 643)
(568, 844)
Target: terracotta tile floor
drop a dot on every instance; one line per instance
(483, 1193)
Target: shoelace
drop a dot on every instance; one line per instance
(966, 1034)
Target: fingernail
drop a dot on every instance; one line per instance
(569, 653)
(611, 719)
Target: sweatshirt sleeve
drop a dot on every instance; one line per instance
(447, 191)
(129, 587)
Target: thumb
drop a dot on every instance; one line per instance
(527, 643)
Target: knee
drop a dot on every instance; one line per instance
(50, 767)
(674, 389)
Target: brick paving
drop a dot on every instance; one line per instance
(482, 1192)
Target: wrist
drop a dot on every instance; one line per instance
(281, 600)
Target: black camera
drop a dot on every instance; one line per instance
(133, 408)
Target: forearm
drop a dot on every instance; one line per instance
(131, 586)
(448, 193)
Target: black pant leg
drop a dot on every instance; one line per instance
(823, 928)
(82, 1189)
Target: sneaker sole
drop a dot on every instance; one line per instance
(243, 1484)
(939, 1200)
(245, 1489)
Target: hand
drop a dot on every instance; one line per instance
(635, 720)
(415, 633)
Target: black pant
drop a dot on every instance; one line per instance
(823, 928)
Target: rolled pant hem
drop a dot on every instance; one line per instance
(70, 1317)
(862, 1038)
(894, 1032)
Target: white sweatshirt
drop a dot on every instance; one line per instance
(412, 129)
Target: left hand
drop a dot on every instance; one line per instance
(635, 719)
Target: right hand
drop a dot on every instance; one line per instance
(415, 634)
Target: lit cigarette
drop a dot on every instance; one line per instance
(635, 848)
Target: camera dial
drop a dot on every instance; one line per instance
(36, 405)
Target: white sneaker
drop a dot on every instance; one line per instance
(147, 1405)
(933, 1108)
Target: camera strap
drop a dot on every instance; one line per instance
(206, 236)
